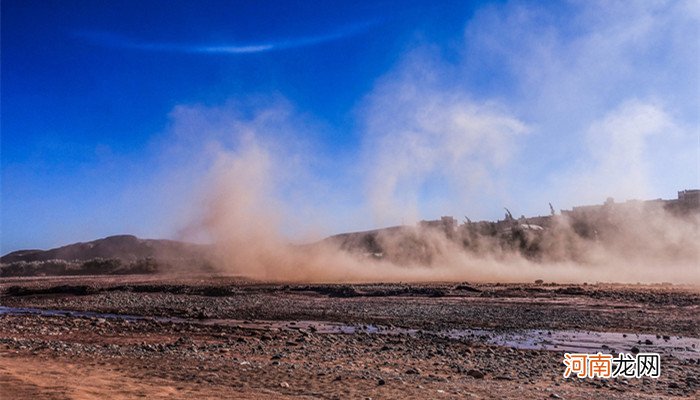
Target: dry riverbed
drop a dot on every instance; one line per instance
(174, 337)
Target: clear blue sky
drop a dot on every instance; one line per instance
(416, 108)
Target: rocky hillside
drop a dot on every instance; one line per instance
(122, 247)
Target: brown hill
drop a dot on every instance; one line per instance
(122, 247)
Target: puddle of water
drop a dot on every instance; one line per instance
(552, 340)
(65, 313)
(588, 341)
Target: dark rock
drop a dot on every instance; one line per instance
(413, 371)
(571, 290)
(466, 287)
(475, 374)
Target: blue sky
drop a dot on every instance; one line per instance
(374, 113)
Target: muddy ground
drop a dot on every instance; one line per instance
(217, 337)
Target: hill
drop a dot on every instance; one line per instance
(126, 248)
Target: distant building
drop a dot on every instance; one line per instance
(692, 195)
(590, 221)
(447, 224)
(687, 201)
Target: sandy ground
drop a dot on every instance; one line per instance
(231, 338)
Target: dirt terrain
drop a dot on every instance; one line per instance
(222, 337)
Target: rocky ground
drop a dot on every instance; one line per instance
(227, 337)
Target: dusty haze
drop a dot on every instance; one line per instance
(576, 130)
(241, 212)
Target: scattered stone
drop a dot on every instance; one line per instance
(413, 371)
(503, 378)
(475, 374)
(466, 287)
(571, 290)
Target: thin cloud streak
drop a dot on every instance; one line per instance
(115, 40)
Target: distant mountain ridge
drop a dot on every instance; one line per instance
(123, 247)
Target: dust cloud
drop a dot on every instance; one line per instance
(243, 214)
(425, 146)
